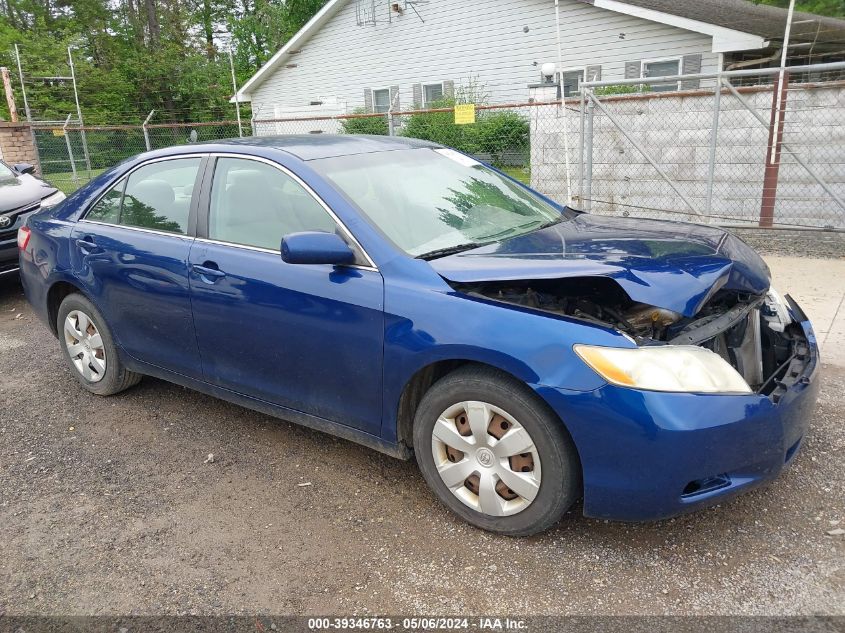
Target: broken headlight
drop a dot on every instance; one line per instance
(678, 368)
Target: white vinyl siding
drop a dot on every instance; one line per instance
(481, 42)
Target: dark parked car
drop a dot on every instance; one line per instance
(404, 296)
(21, 195)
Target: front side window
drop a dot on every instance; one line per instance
(158, 195)
(427, 200)
(381, 100)
(662, 69)
(432, 93)
(255, 204)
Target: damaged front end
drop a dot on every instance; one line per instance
(755, 334)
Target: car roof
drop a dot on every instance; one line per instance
(316, 146)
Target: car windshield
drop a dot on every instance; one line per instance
(6, 172)
(430, 202)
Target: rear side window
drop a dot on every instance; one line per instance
(254, 204)
(156, 196)
(108, 208)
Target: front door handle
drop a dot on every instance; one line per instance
(208, 272)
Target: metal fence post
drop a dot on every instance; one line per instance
(69, 150)
(588, 140)
(146, 131)
(581, 115)
(714, 137)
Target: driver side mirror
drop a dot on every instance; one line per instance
(314, 247)
(24, 168)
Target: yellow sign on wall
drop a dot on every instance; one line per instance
(464, 113)
(58, 132)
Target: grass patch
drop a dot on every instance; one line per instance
(63, 180)
(522, 174)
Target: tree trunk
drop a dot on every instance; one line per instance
(152, 21)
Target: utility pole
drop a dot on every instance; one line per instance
(771, 173)
(10, 98)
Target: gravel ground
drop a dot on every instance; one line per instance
(108, 506)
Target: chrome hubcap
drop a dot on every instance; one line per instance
(486, 458)
(85, 346)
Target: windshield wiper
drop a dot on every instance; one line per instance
(451, 250)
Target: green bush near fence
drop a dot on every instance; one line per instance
(365, 125)
(503, 135)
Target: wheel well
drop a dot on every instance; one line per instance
(417, 387)
(423, 380)
(55, 296)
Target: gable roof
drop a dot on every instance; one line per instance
(719, 19)
(757, 19)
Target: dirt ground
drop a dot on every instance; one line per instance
(108, 506)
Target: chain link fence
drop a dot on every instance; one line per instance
(737, 155)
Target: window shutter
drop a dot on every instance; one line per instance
(394, 99)
(690, 65)
(592, 73)
(448, 89)
(368, 99)
(632, 69)
(417, 96)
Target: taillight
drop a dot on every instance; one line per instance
(23, 237)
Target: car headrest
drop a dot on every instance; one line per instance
(157, 194)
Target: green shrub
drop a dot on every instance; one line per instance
(620, 89)
(494, 132)
(365, 125)
(500, 132)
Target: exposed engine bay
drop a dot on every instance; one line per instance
(754, 333)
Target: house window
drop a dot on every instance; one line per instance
(432, 93)
(381, 100)
(662, 68)
(572, 82)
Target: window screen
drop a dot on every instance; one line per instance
(572, 82)
(381, 100)
(433, 92)
(662, 69)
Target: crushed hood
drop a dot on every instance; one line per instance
(670, 265)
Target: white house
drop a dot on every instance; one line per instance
(368, 53)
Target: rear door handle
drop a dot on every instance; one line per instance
(87, 246)
(208, 272)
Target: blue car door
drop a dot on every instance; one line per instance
(131, 252)
(305, 337)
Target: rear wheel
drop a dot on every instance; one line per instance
(494, 453)
(89, 348)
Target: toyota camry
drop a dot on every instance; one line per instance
(402, 295)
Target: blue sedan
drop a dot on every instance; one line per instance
(400, 294)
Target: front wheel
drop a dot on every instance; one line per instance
(89, 348)
(494, 453)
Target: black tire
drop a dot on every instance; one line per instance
(560, 484)
(116, 377)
